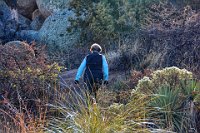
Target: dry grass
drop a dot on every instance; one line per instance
(79, 114)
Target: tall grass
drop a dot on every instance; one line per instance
(77, 113)
(22, 120)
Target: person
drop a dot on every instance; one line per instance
(95, 69)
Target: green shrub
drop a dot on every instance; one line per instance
(109, 19)
(172, 76)
(167, 109)
(172, 90)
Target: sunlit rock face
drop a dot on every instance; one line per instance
(47, 7)
(54, 31)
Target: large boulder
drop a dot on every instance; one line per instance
(7, 28)
(14, 25)
(26, 7)
(36, 13)
(4, 11)
(54, 31)
(47, 7)
(11, 22)
(36, 24)
(1, 30)
(38, 20)
(15, 43)
(28, 35)
(7, 14)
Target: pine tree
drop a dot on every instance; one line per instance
(101, 20)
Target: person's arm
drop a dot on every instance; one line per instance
(81, 69)
(105, 68)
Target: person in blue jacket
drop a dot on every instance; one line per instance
(95, 68)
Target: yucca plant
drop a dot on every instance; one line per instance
(171, 111)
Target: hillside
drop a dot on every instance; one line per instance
(153, 53)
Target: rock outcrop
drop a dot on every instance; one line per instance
(37, 20)
(11, 22)
(54, 31)
(26, 7)
(47, 7)
(49, 23)
(28, 35)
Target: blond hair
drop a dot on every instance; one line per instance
(96, 47)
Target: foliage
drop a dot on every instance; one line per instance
(27, 80)
(119, 85)
(167, 109)
(197, 102)
(90, 117)
(194, 3)
(138, 75)
(166, 16)
(109, 19)
(123, 60)
(173, 91)
(172, 110)
(172, 76)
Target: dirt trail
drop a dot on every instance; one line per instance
(68, 77)
(106, 96)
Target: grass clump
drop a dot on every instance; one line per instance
(173, 91)
(88, 117)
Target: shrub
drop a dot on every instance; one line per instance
(173, 91)
(167, 109)
(172, 76)
(173, 111)
(197, 101)
(138, 75)
(123, 60)
(109, 20)
(28, 80)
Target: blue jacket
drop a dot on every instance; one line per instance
(82, 68)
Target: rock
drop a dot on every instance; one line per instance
(21, 45)
(26, 7)
(11, 22)
(5, 25)
(1, 30)
(28, 35)
(16, 43)
(47, 7)
(36, 24)
(36, 13)
(38, 20)
(54, 31)
(14, 25)
(4, 11)
(24, 23)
